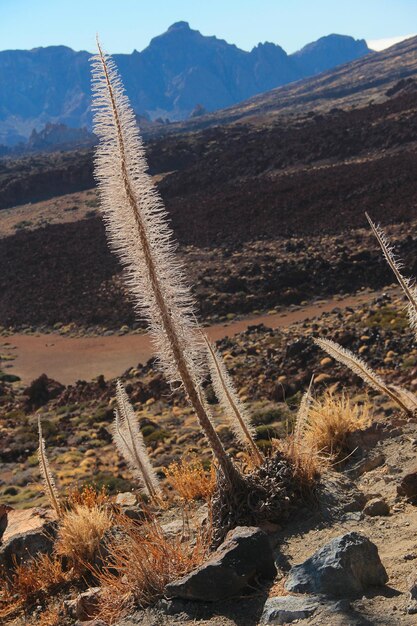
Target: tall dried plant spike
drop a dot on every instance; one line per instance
(395, 264)
(130, 443)
(359, 367)
(410, 399)
(45, 470)
(138, 232)
(232, 405)
(302, 414)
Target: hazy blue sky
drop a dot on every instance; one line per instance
(127, 24)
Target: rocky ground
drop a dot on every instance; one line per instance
(47, 269)
(310, 177)
(271, 369)
(367, 493)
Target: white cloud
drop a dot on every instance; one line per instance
(381, 44)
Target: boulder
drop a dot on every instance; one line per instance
(412, 607)
(376, 507)
(244, 556)
(348, 564)
(127, 498)
(408, 486)
(287, 609)
(41, 390)
(367, 464)
(28, 532)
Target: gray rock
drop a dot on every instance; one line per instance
(127, 498)
(346, 565)
(129, 506)
(287, 609)
(245, 555)
(412, 608)
(369, 463)
(376, 507)
(408, 485)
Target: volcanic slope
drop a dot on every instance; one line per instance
(307, 178)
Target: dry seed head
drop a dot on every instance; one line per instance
(128, 438)
(406, 284)
(47, 477)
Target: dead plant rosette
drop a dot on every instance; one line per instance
(267, 494)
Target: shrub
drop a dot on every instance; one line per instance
(30, 583)
(143, 561)
(89, 496)
(190, 480)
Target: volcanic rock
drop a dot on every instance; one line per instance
(348, 564)
(408, 485)
(41, 390)
(244, 556)
(287, 609)
(376, 507)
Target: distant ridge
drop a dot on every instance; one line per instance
(179, 72)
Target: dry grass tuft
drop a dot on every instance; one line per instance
(51, 616)
(143, 561)
(305, 459)
(190, 480)
(331, 418)
(41, 574)
(320, 435)
(30, 583)
(10, 605)
(80, 533)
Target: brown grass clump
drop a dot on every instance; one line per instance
(320, 434)
(30, 582)
(305, 459)
(51, 616)
(142, 561)
(299, 448)
(331, 418)
(10, 605)
(80, 533)
(41, 574)
(190, 480)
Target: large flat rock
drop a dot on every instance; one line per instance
(28, 532)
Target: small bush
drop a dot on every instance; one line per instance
(143, 561)
(268, 414)
(23, 224)
(156, 435)
(112, 484)
(87, 495)
(190, 480)
(31, 582)
(266, 432)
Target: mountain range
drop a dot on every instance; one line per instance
(181, 73)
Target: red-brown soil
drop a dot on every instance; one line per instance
(68, 359)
